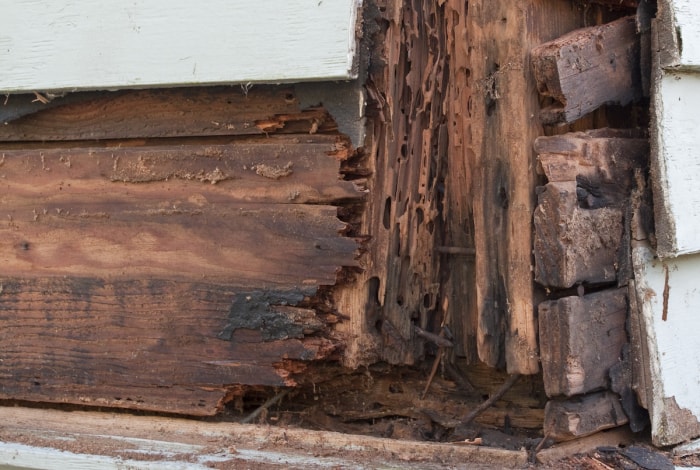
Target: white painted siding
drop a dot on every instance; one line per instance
(51, 45)
(668, 286)
(670, 315)
(687, 19)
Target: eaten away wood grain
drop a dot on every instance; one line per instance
(175, 264)
(503, 101)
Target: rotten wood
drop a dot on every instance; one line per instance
(621, 436)
(166, 113)
(502, 100)
(468, 418)
(174, 271)
(574, 244)
(618, 4)
(587, 68)
(604, 158)
(581, 338)
(583, 416)
(175, 346)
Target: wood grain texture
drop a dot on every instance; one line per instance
(582, 416)
(168, 260)
(501, 108)
(150, 344)
(587, 68)
(70, 45)
(581, 338)
(162, 113)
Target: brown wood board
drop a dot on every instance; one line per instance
(164, 113)
(149, 344)
(503, 109)
(582, 416)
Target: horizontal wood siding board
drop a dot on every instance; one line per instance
(161, 113)
(255, 245)
(275, 170)
(78, 44)
(675, 165)
(144, 344)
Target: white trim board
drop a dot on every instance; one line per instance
(675, 122)
(668, 295)
(68, 45)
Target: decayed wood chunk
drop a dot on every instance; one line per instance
(606, 157)
(582, 416)
(573, 244)
(587, 68)
(581, 338)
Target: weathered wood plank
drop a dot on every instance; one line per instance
(271, 170)
(174, 43)
(581, 338)
(166, 113)
(573, 244)
(587, 68)
(614, 3)
(582, 416)
(247, 244)
(500, 35)
(183, 347)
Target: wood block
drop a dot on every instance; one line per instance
(581, 338)
(573, 244)
(587, 68)
(606, 158)
(582, 416)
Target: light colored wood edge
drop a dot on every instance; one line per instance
(110, 433)
(614, 437)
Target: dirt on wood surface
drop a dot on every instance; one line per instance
(339, 416)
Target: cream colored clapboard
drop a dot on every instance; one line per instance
(675, 124)
(65, 45)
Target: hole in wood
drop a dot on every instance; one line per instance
(386, 220)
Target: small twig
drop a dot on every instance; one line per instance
(265, 406)
(541, 444)
(461, 381)
(436, 363)
(437, 340)
(469, 417)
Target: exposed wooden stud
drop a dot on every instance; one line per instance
(573, 244)
(583, 416)
(502, 102)
(587, 68)
(581, 338)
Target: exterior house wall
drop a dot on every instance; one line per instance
(666, 274)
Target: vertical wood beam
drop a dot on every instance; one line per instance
(503, 110)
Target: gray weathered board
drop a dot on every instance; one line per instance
(71, 45)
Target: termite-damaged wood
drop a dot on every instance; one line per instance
(573, 244)
(587, 68)
(607, 157)
(581, 338)
(167, 113)
(503, 98)
(583, 416)
(621, 4)
(176, 266)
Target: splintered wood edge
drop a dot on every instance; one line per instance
(124, 436)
